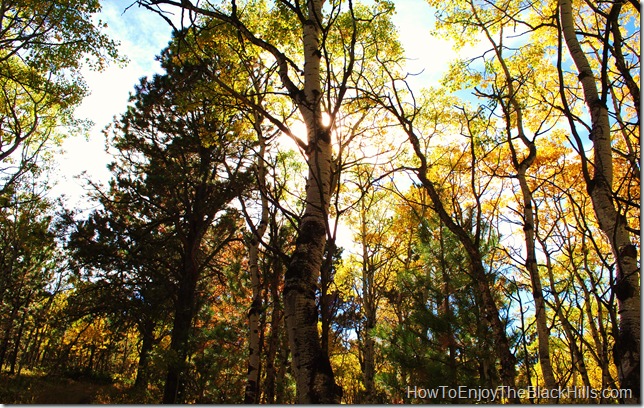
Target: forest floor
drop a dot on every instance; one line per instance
(34, 388)
(73, 392)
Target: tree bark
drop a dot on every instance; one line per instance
(173, 391)
(252, 393)
(146, 330)
(613, 224)
(312, 367)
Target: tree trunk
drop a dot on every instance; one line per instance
(543, 334)
(513, 112)
(7, 335)
(600, 352)
(314, 378)
(491, 313)
(275, 377)
(369, 306)
(16, 346)
(33, 344)
(611, 222)
(565, 323)
(281, 384)
(273, 347)
(327, 297)
(481, 282)
(146, 329)
(470, 245)
(524, 343)
(173, 392)
(252, 393)
(369, 370)
(312, 368)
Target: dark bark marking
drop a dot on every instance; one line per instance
(583, 74)
(324, 135)
(323, 381)
(623, 289)
(255, 307)
(310, 231)
(628, 251)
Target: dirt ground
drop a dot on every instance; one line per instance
(69, 392)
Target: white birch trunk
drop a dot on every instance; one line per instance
(312, 368)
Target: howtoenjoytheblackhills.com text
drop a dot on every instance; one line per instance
(502, 393)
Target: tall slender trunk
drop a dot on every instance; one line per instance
(543, 334)
(613, 224)
(491, 314)
(481, 280)
(565, 323)
(16, 345)
(274, 364)
(315, 382)
(600, 352)
(273, 348)
(369, 306)
(282, 368)
(481, 283)
(524, 343)
(327, 297)
(7, 334)
(33, 344)
(252, 393)
(513, 112)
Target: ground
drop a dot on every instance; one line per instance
(35, 388)
(71, 392)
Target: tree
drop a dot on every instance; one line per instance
(370, 270)
(181, 161)
(611, 220)
(28, 262)
(121, 267)
(281, 171)
(43, 47)
(509, 83)
(318, 93)
(421, 120)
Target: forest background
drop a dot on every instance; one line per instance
(301, 206)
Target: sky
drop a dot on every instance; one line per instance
(143, 34)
